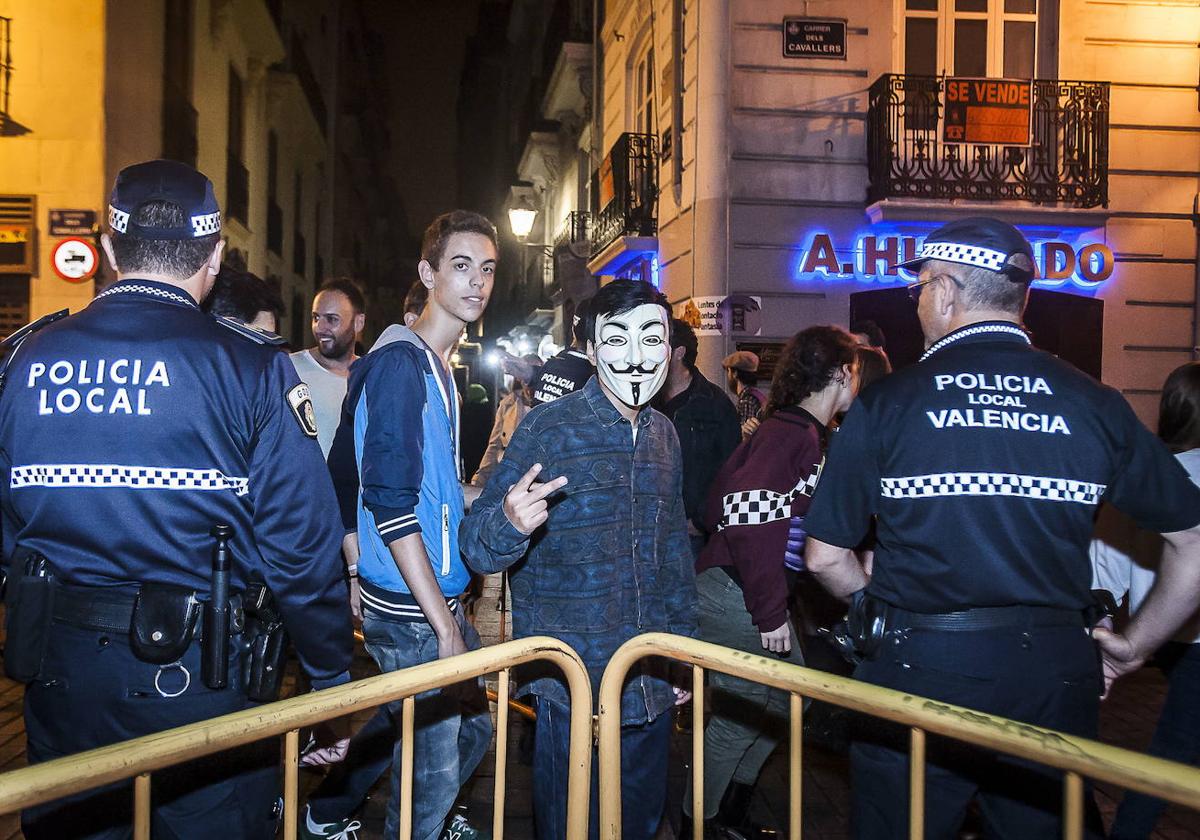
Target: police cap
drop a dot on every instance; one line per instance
(981, 242)
(164, 180)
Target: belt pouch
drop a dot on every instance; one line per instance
(267, 646)
(267, 659)
(29, 607)
(163, 623)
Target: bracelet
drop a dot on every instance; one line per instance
(352, 569)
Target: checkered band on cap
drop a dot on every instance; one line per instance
(974, 255)
(204, 225)
(118, 220)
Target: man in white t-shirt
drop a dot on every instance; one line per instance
(337, 319)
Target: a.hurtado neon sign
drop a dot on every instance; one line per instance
(872, 258)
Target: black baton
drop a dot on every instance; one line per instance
(214, 664)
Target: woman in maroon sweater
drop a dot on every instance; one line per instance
(756, 508)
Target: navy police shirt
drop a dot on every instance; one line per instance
(131, 428)
(984, 464)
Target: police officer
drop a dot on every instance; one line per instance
(984, 464)
(127, 432)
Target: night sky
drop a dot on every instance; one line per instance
(425, 41)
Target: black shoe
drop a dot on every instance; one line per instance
(734, 814)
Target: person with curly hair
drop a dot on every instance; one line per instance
(743, 573)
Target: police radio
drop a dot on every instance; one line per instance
(214, 651)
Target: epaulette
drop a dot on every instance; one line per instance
(10, 344)
(255, 334)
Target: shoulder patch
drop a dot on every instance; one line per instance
(258, 336)
(300, 401)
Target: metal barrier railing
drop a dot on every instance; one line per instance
(140, 757)
(1078, 757)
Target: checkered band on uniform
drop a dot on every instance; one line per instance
(758, 507)
(1040, 487)
(117, 475)
(118, 220)
(974, 255)
(206, 224)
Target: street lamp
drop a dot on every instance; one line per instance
(521, 217)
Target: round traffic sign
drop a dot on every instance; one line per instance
(75, 260)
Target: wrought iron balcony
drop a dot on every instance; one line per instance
(575, 229)
(1066, 162)
(626, 191)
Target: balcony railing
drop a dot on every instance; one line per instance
(625, 191)
(575, 229)
(1066, 163)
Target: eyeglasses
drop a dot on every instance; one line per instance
(914, 289)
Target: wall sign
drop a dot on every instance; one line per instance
(718, 314)
(988, 111)
(72, 222)
(805, 37)
(873, 258)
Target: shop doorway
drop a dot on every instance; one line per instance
(1069, 326)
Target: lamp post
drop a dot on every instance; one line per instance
(521, 216)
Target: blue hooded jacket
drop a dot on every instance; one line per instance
(405, 423)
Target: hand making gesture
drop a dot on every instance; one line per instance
(525, 503)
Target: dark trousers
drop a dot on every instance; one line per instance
(94, 693)
(1177, 737)
(644, 751)
(344, 789)
(1046, 676)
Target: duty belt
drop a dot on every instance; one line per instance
(985, 618)
(98, 608)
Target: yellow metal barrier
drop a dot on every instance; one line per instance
(1078, 757)
(140, 757)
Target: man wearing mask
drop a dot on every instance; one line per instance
(611, 465)
(338, 317)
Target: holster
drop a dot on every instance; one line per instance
(861, 634)
(29, 611)
(163, 623)
(266, 646)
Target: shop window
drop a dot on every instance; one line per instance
(969, 37)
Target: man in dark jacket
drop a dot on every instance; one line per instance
(706, 422)
(587, 501)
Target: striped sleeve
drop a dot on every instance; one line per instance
(393, 442)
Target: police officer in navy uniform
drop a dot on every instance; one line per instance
(983, 465)
(127, 432)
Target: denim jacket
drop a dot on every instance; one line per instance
(612, 561)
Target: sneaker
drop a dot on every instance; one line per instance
(346, 829)
(460, 828)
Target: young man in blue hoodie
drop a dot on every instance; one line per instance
(410, 501)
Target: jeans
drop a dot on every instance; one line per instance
(451, 726)
(644, 753)
(1046, 676)
(95, 692)
(748, 719)
(348, 782)
(1177, 737)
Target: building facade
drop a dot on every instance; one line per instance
(768, 162)
(251, 92)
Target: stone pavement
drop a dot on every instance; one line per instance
(1127, 720)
